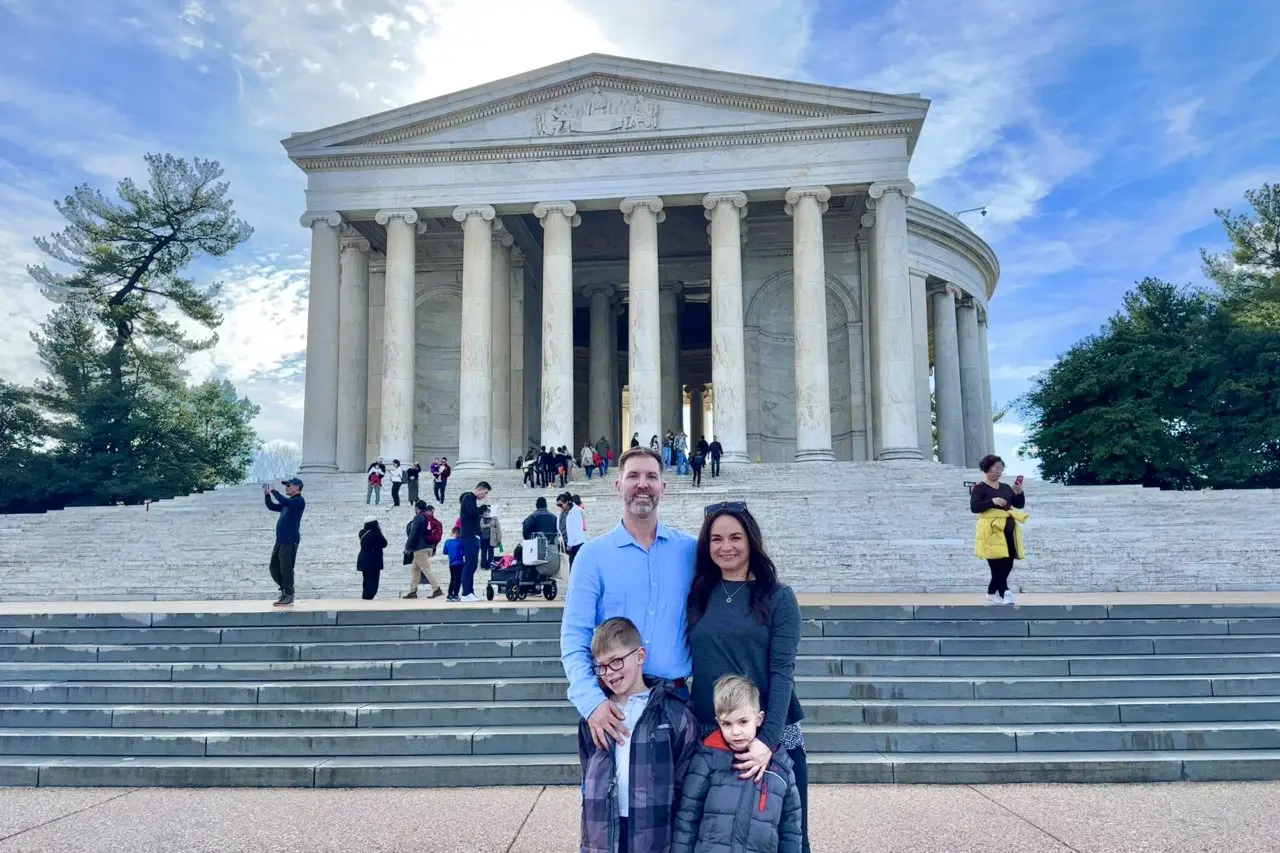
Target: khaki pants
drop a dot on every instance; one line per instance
(422, 568)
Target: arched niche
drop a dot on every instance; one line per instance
(771, 378)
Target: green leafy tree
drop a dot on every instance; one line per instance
(1249, 274)
(1172, 392)
(123, 423)
(23, 433)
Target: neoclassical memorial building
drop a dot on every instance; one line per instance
(579, 250)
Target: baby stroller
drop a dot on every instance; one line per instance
(535, 571)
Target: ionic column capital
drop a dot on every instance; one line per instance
(594, 290)
(353, 240)
(711, 201)
(982, 313)
(879, 188)
(502, 239)
(793, 196)
(566, 208)
(944, 288)
(407, 214)
(651, 202)
(675, 288)
(484, 211)
(315, 217)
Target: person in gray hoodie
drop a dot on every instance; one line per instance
(719, 811)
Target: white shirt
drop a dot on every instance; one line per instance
(575, 524)
(397, 474)
(622, 751)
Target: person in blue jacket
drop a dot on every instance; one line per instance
(453, 553)
(288, 534)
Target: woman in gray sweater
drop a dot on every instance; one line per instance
(742, 621)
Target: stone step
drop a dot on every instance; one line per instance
(434, 714)
(554, 688)
(485, 770)
(515, 741)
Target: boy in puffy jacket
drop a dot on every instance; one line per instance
(714, 796)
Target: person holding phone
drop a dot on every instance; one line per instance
(999, 536)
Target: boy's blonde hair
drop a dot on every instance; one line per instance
(732, 692)
(614, 633)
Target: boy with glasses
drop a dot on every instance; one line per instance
(630, 789)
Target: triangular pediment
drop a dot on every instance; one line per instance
(600, 98)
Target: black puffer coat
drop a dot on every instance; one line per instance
(720, 813)
(372, 543)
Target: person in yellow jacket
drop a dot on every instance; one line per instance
(998, 539)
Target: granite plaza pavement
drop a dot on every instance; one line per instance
(1214, 817)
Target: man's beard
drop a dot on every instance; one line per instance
(643, 504)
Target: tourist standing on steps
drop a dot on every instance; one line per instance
(641, 570)
(397, 479)
(680, 450)
(999, 535)
(418, 544)
(372, 490)
(469, 532)
(696, 461)
(369, 563)
(490, 537)
(716, 450)
(453, 553)
(411, 475)
(635, 439)
(668, 441)
(442, 478)
(435, 530)
(588, 459)
(743, 621)
(603, 448)
(288, 534)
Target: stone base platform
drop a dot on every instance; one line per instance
(896, 689)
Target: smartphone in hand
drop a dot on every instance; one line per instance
(1018, 481)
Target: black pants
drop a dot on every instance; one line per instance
(528, 477)
(455, 579)
(800, 765)
(486, 553)
(439, 490)
(1000, 570)
(624, 842)
(370, 586)
(470, 560)
(573, 552)
(715, 466)
(395, 494)
(413, 491)
(697, 475)
(283, 556)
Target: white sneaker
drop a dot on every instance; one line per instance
(470, 598)
(994, 599)
(1008, 596)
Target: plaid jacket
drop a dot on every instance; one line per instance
(663, 743)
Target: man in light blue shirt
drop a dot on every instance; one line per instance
(641, 570)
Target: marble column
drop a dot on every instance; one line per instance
(501, 450)
(920, 358)
(399, 334)
(946, 377)
(867, 269)
(377, 295)
(728, 346)
(971, 396)
(353, 351)
(697, 414)
(989, 405)
(672, 390)
(895, 374)
(599, 384)
(616, 437)
(809, 285)
(558, 220)
(644, 363)
(475, 397)
(519, 429)
(320, 390)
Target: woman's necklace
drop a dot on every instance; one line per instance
(729, 596)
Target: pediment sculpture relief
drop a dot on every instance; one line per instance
(597, 112)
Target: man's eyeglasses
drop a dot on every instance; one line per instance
(614, 665)
(725, 506)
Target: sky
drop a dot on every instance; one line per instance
(1100, 135)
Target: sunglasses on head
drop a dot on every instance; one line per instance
(725, 506)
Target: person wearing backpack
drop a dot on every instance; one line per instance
(417, 548)
(369, 563)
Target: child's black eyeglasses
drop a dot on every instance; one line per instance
(614, 665)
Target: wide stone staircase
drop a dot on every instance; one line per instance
(430, 695)
(842, 527)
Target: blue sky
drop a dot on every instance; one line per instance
(1100, 135)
